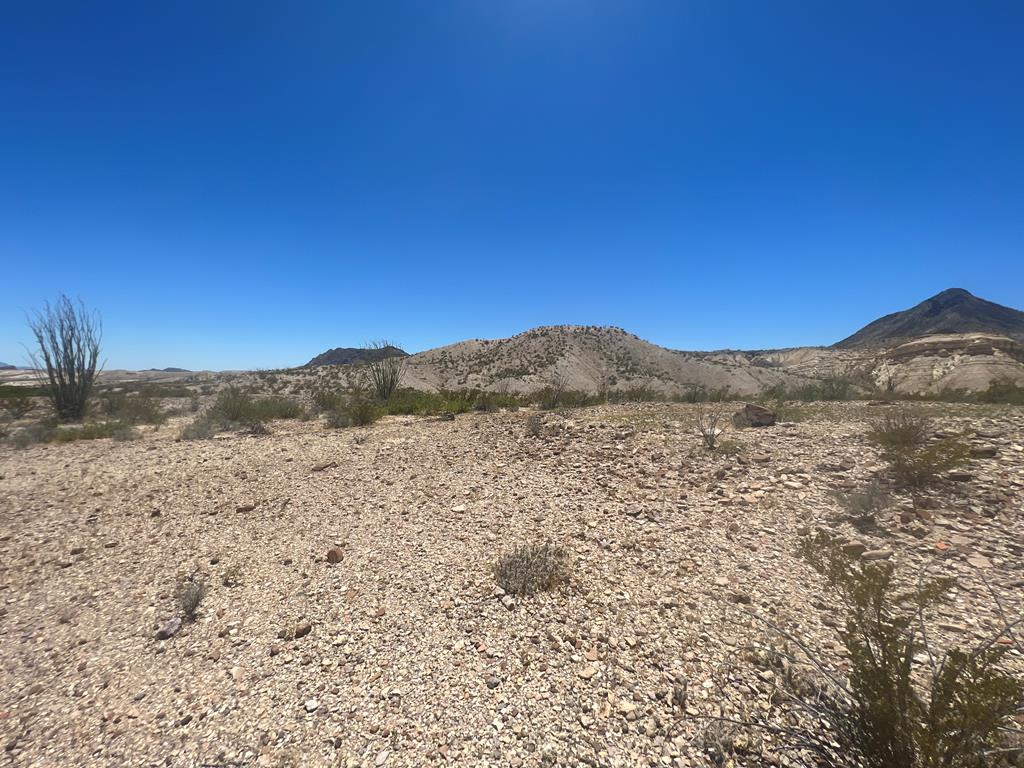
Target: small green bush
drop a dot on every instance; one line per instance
(916, 458)
(235, 409)
(358, 411)
(132, 409)
(893, 710)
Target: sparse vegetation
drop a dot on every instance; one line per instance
(117, 430)
(531, 568)
(534, 425)
(235, 409)
(67, 348)
(190, 594)
(710, 422)
(902, 702)
(865, 503)
(916, 456)
(386, 372)
(132, 409)
(359, 410)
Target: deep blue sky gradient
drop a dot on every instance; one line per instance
(245, 184)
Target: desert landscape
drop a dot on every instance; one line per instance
(522, 384)
(321, 584)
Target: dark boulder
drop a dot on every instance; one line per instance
(752, 415)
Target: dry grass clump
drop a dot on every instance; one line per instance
(710, 422)
(531, 568)
(190, 595)
(916, 457)
(866, 502)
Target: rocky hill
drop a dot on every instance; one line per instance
(354, 355)
(590, 358)
(954, 311)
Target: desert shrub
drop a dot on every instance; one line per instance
(200, 428)
(17, 405)
(31, 434)
(67, 349)
(902, 702)
(865, 502)
(132, 409)
(531, 568)
(191, 593)
(638, 394)
(701, 394)
(386, 372)
(117, 430)
(358, 411)
(534, 425)
(257, 429)
(710, 423)
(555, 396)
(326, 400)
(916, 458)
(232, 576)
(234, 407)
(276, 407)
(1002, 391)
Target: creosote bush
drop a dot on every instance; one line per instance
(531, 568)
(132, 409)
(916, 457)
(358, 411)
(903, 703)
(235, 409)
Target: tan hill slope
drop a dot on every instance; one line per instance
(591, 358)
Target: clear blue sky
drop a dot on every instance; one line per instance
(245, 184)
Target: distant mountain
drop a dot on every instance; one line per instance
(950, 312)
(355, 355)
(7, 367)
(169, 370)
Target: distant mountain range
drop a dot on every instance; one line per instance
(7, 367)
(953, 340)
(952, 311)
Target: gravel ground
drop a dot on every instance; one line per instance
(411, 655)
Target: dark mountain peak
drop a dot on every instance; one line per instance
(954, 310)
(355, 355)
(952, 293)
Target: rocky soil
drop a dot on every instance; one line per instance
(352, 619)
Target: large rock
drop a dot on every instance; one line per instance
(752, 415)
